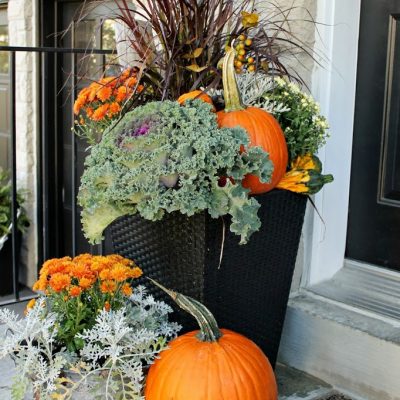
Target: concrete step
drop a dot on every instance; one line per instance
(297, 385)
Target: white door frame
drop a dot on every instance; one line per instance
(334, 86)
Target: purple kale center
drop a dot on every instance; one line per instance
(142, 130)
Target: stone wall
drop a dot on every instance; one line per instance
(296, 18)
(300, 15)
(22, 25)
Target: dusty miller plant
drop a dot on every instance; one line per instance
(253, 88)
(110, 365)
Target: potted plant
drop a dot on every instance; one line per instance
(6, 257)
(194, 157)
(89, 335)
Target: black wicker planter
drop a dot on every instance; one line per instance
(250, 290)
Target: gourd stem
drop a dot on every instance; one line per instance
(209, 331)
(232, 97)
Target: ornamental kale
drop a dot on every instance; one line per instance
(163, 157)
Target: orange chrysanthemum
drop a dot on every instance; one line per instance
(135, 273)
(115, 108)
(81, 99)
(107, 306)
(104, 93)
(82, 272)
(100, 112)
(30, 305)
(105, 274)
(85, 283)
(116, 258)
(75, 291)
(79, 103)
(40, 284)
(126, 73)
(119, 272)
(108, 286)
(93, 89)
(131, 82)
(79, 271)
(121, 94)
(110, 81)
(59, 281)
(84, 257)
(126, 289)
(89, 112)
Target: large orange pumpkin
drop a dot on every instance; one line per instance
(194, 95)
(210, 364)
(263, 129)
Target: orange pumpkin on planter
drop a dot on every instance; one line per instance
(210, 364)
(263, 129)
(194, 95)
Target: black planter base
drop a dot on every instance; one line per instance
(249, 291)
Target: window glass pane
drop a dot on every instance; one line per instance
(108, 43)
(3, 54)
(85, 37)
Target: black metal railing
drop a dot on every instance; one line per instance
(49, 160)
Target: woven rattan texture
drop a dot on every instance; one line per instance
(249, 292)
(171, 251)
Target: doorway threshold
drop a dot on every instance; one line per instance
(364, 286)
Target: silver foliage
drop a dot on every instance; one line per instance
(110, 365)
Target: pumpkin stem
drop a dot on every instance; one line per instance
(232, 97)
(209, 331)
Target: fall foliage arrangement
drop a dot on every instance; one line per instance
(205, 118)
(159, 130)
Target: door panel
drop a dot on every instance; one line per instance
(390, 162)
(374, 214)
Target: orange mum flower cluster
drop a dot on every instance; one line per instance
(105, 98)
(72, 276)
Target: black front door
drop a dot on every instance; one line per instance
(374, 215)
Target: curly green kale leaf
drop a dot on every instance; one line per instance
(163, 157)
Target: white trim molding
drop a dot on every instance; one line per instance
(334, 86)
